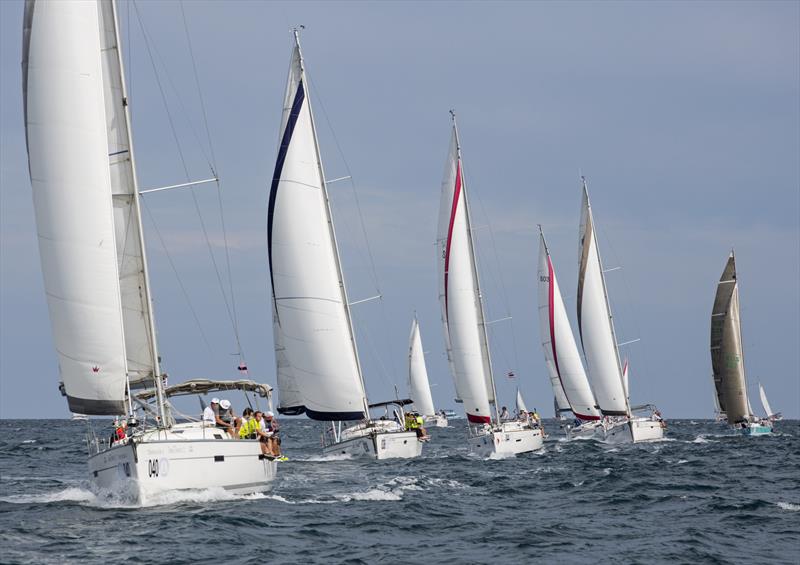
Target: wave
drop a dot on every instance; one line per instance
(789, 506)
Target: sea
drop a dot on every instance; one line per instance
(702, 495)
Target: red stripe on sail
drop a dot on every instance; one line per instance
(453, 208)
(585, 417)
(478, 419)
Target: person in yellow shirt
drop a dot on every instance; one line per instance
(250, 426)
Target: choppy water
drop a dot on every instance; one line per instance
(701, 496)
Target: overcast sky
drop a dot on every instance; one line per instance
(685, 117)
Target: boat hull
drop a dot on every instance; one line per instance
(635, 430)
(587, 430)
(506, 440)
(147, 468)
(755, 430)
(378, 445)
(435, 421)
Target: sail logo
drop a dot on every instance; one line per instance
(95, 369)
(544, 278)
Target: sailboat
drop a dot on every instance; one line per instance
(596, 327)
(319, 371)
(520, 403)
(561, 353)
(773, 416)
(418, 384)
(464, 322)
(727, 356)
(86, 203)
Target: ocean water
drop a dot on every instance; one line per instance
(702, 495)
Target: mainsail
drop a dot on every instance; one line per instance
(560, 350)
(595, 323)
(418, 384)
(727, 359)
(462, 311)
(85, 202)
(311, 310)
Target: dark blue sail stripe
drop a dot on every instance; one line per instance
(334, 416)
(297, 104)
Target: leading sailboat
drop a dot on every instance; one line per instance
(596, 327)
(465, 325)
(86, 201)
(727, 357)
(319, 371)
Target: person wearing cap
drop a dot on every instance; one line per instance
(271, 431)
(210, 413)
(225, 419)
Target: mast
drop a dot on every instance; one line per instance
(608, 305)
(329, 218)
(476, 276)
(163, 411)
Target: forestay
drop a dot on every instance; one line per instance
(459, 294)
(312, 315)
(560, 350)
(727, 359)
(68, 157)
(418, 374)
(595, 323)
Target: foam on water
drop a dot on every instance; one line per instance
(789, 506)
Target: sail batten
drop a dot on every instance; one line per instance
(567, 376)
(315, 347)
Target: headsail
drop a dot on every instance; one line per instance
(595, 323)
(68, 158)
(726, 348)
(764, 402)
(418, 384)
(310, 301)
(560, 350)
(520, 403)
(462, 313)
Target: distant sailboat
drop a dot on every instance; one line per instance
(727, 356)
(520, 403)
(88, 218)
(465, 332)
(599, 341)
(418, 384)
(774, 416)
(79, 417)
(319, 371)
(561, 352)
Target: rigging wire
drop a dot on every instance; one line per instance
(170, 120)
(219, 188)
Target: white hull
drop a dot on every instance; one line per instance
(511, 438)
(635, 430)
(193, 458)
(587, 430)
(378, 445)
(435, 421)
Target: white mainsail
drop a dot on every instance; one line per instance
(418, 374)
(560, 350)
(764, 402)
(71, 178)
(310, 301)
(727, 358)
(462, 312)
(595, 323)
(520, 403)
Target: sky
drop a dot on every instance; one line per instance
(683, 116)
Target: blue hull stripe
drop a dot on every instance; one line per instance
(297, 104)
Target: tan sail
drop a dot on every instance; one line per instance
(727, 359)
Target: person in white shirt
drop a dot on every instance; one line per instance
(210, 413)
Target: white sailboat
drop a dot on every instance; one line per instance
(465, 332)
(418, 384)
(596, 327)
(773, 416)
(727, 356)
(520, 403)
(88, 219)
(319, 372)
(561, 353)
